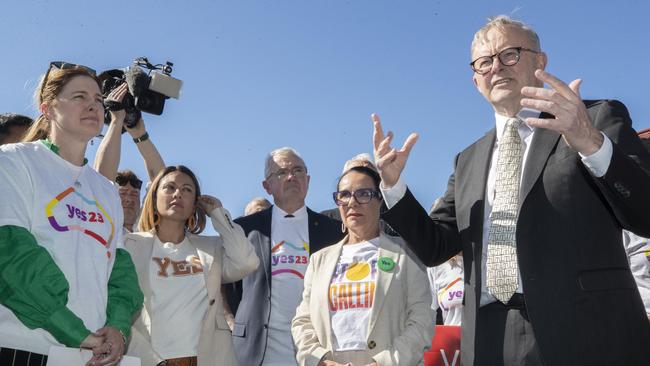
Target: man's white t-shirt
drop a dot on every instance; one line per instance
(638, 253)
(76, 215)
(447, 288)
(289, 260)
(352, 295)
(178, 300)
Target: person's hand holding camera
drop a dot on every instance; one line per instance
(116, 96)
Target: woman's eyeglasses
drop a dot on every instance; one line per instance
(362, 196)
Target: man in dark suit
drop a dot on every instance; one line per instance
(284, 236)
(537, 206)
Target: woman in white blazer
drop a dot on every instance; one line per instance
(365, 301)
(180, 273)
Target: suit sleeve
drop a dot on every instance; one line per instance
(433, 239)
(626, 184)
(408, 347)
(239, 258)
(309, 351)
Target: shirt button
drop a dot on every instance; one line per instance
(372, 344)
(211, 302)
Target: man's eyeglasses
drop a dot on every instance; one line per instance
(62, 65)
(297, 171)
(362, 196)
(122, 180)
(507, 57)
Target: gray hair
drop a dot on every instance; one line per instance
(283, 151)
(502, 21)
(261, 200)
(363, 159)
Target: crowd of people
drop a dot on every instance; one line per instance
(538, 249)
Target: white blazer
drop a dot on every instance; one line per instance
(401, 320)
(235, 259)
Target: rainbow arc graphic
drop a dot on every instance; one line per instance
(49, 212)
(277, 247)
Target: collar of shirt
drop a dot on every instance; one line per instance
(279, 214)
(55, 149)
(524, 129)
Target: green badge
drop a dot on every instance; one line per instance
(386, 264)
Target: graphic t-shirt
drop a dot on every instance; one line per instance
(289, 259)
(638, 253)
(447, 288)
(76, 215)
(179, 299)
(352, 294)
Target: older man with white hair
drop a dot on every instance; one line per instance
(284, 236)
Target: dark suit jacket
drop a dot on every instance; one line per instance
(581, 298)
(250, 299)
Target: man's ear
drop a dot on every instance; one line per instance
(266, 186)
(542, 61)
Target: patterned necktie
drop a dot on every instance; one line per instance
(502, 269)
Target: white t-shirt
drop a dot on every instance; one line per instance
(638, 253)
(76, 215)
(178, 299)
(447, 288)
(352, 295)
(289, 259)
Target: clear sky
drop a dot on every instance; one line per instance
(264, 74)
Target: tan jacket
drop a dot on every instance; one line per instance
(401, 322)
(235, 259)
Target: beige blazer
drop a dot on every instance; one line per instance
(235, 258)
(401, 320)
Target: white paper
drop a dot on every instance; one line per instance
(63, 356)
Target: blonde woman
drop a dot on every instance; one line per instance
(64, 280)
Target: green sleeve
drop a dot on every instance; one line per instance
(124, 295)
(33, 287)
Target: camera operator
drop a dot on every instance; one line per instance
(107, 159)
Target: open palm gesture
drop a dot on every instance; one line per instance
(390, 162)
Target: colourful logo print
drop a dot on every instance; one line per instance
(82, 215)
(286, 255)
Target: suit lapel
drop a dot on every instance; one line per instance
(544, 141)
(312, 222)
(264, 243)
(471, 184)
(384, 278)
(206, 253)
(321, 283)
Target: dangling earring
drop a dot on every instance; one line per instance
(343, 228)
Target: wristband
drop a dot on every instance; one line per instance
(144, 137)
(123, 337)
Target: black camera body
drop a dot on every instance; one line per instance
(147, 91)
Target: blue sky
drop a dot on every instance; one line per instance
(264, 74)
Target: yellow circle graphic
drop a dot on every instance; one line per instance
(357, 271)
